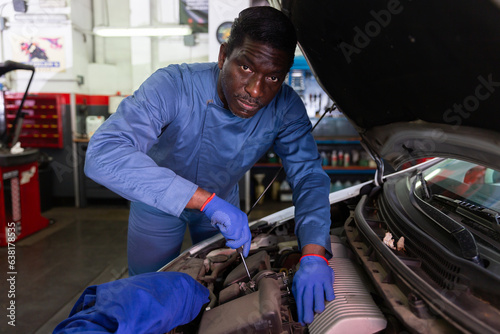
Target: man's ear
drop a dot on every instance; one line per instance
(222, 55)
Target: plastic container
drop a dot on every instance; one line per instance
(92, 123)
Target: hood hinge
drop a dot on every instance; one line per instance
(379, 173)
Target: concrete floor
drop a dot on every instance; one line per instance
(84, 246)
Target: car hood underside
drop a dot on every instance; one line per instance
(430, 67)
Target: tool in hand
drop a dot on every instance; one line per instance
(240, 250)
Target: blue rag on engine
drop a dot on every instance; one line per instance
(147, 303)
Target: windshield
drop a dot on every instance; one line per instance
(465, 181)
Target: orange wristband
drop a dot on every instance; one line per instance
(206, 202)
(324, 258)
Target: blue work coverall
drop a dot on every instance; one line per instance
(146, 303)
(174, 135)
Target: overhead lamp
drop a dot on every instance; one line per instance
(45, 18)
(177, 30)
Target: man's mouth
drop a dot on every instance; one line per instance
(247, 106)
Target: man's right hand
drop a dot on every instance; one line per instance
(231, 221)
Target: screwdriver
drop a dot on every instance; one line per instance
(240, 250)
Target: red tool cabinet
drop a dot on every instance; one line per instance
(19, 195)
(42, 124)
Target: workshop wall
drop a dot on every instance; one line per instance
(220, 15)
(127, 62)
(91, 64)
(87, 71)
(44, 34)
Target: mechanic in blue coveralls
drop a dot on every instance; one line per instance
(177, 147)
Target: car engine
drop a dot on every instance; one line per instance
(265, 303)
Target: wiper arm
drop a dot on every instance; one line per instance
(462, 236)
(487, 217)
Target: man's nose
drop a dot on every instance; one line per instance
(254, 87)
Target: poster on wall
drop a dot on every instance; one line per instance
(46, 54)
(195, 14)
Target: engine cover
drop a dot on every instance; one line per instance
(258, 312)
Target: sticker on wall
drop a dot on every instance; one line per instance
(46, 54)
(27, 175)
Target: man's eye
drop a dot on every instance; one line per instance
(245, 68)
(274, 79)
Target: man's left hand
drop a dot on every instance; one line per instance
(312, 284)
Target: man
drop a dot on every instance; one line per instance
(179, 145)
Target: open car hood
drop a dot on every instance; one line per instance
(416, 78)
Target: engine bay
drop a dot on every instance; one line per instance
(264, 303)
(382, 281)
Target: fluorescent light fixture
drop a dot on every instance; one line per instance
(178, 30)
(41, 18)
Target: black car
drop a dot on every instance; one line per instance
(416, 250)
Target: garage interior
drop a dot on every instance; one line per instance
(73, 233)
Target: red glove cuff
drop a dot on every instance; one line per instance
(324, 258)
(207, 201)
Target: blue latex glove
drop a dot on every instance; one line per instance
(231, 221)
(312, 284)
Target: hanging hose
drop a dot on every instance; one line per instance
(17, 124)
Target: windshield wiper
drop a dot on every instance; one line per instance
(462, 236)
(487, 217)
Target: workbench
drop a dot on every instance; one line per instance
(86, 187)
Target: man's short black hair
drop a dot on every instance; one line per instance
(266, 25)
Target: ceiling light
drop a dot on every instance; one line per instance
(177, 30)
(45, 18)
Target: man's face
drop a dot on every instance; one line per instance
(250, 77)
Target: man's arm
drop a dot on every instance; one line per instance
(313, 249)
(313, 282)
(199, 198)
(117, 153)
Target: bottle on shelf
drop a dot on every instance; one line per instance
(340, 158)
(333, 158)
(324, 159)
(259, 187)
(347, 159)
(363, 159)
(271, 157)
(285, 192)
(355, 157)
(336, 186)
(275, 191)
